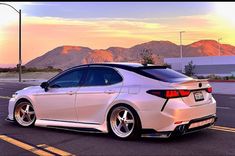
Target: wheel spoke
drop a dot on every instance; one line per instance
(23, 116)
(129, 121)
(31, 112)
(119, 118)
(119, 126)
(125, 114)
(28, 117)
(22, 111)
(27, 108)
(125, 127)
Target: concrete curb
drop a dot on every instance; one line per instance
(221, 80)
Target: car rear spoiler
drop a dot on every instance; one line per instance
(152, 67)
(193, 80)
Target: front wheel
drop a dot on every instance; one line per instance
(24, 114)
(124, 122)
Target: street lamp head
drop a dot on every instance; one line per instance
(20, 61)
(10, 6)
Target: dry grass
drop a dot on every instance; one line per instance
(28, 75)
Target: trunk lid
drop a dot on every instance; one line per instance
(198, 95)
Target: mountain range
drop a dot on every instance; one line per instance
(67, 56)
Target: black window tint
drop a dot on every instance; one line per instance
(100, 76)
(68, 79)
(167, 75)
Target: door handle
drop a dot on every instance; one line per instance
(70, 93)
(110, 91)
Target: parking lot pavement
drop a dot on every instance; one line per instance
(223, 87)
(15, 140)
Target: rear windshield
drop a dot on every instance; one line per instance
(167, 75)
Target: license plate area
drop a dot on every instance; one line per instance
(201, 123)
(198, 96)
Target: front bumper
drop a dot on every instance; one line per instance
(9, 120)
(11, 106)
(181, 129)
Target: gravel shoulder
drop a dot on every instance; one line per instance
(34, 78)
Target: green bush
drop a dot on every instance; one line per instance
(201, 77)
(215, 77)
(147, 56)
(167, 65)
(189, 69)
(232, 77)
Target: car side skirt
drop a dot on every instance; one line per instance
(74, 126)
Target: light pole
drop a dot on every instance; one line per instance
(181, 50)
(20, 61)
(219, 39)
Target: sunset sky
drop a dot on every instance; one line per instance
(99, 25)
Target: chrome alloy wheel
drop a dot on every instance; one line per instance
(122, 122)
(24, 114)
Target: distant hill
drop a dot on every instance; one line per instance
(67, 56)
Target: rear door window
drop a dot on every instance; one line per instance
(101, 76)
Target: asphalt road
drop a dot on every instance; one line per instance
(15, 140)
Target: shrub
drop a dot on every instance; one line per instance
(167, 65)
(147, 57)
(189, 69)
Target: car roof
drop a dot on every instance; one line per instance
(133, 67)
(123, 65)
(132, 64)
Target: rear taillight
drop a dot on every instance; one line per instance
(184, 93)
(167, 94)
(209, 90)
(171, 94)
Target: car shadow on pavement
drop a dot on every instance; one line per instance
(191, 136)
(204, 134)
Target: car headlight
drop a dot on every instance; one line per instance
(14, 95)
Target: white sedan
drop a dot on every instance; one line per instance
(124, 99)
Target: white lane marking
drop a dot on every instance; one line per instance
(224, 107)
(5, 97)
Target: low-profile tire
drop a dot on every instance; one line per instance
(124, 122)
(24, 114)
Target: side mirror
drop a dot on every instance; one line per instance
(45, 86)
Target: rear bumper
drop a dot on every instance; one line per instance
(175, 113)
(181, 129)
(184, 129)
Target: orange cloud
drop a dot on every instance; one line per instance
(40, 35)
